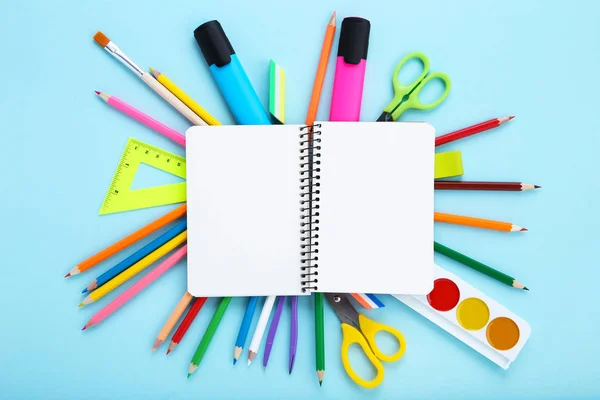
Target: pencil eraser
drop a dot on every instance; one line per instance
(448, 164)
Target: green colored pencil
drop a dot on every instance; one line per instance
(320, 336)
(476, 265)
(208, 335)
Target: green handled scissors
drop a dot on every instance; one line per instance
(407, 96)
(360, 330)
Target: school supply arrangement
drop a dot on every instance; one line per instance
(284, 225)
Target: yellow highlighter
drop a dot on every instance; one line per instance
(134, 269)
(185, 99)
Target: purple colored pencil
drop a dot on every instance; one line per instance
(273, 329)
(294, 332)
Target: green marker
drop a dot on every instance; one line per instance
(208, 335)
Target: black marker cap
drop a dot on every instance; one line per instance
(354, 39)
(214, 43)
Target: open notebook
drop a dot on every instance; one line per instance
(274, 211)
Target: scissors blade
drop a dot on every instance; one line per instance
(385, 117)
(343, 309)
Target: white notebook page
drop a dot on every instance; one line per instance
(376, 207)
(243, 210)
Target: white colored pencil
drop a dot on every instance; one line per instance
(260, 327)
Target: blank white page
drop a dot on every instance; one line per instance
(376, 207)
(243, 210)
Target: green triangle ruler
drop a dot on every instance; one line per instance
(120, 197)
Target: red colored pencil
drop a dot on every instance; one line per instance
(471, 185)
(471, 130)
(187, 321)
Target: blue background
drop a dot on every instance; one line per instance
(536, 59)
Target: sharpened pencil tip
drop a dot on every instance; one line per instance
(320, 383)
(189, 375)
(68, 275)
(536, 186)
(234, 361)
(81, 305)
(525, 288)
(84, 290)
(511, 117)
(168, 351)
(97, 92)
(524, 229)
(84, 328)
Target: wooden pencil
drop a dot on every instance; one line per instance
(172, 320)
(477, 222)
(136, 257)
(208, 335)
(471, 130)
(478, 266)
(244, 328)
(124, 297)
(184, 97)
(315, 96)
(495, 186)
(128, 241)
(313, 106)
(259, 332)
(186, 322)
(134, 269)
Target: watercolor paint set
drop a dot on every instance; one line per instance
(472, 317)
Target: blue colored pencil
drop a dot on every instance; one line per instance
(137, 256)
(273, 329)
(244, 328)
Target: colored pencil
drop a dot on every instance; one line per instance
(273, 329)
(315, 96)
(143, 118)
(128, 241)
(137, 256)
(320, 336)
(123, 298)
(471, 130)
(244, 327)
(187, 100)
(311, 115)
(478, 266)
(187, 321)
(172, 320)
(147, 78)
(208, 335)
(293, 334)
(496, 186)
(477, 222)
(261, 326)
(134, 269)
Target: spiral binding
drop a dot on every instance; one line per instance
(310, 152)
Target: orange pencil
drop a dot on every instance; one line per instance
(172, 321)
(321, 70)
(127, 241)
(477, 222)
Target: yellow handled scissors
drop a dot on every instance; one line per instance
(407, 96)
(358, 329)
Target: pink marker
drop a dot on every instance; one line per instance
(350, 70)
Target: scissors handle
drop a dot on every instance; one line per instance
(351, 336)
(370, 329)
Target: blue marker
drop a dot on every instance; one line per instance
(230, 76)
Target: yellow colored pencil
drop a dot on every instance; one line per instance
(134, 269)
(185, 99)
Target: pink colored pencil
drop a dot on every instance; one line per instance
(143, 118)
(135, 289)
